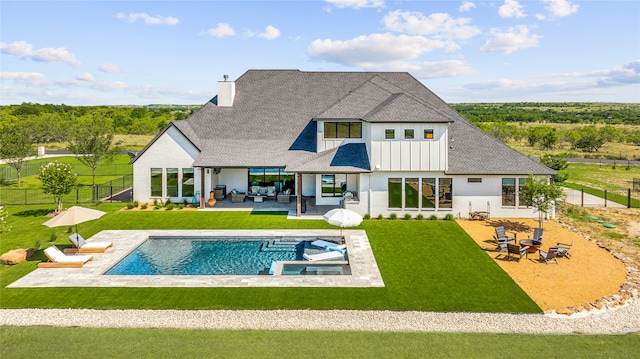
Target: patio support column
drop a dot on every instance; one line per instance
(202, 187)
(299, 195)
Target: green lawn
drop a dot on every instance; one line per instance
(426, 265)
(167, 343)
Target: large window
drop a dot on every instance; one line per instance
(428, 193)
(172, 182)
(424, 193)
(411, 190)
(334, 185)
(508, 191)
(521, 200)
(342, 130)
(156, 182)
(277, 177)
(187, 182)
(395, 192)
(446, 192)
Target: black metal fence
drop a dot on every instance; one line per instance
(8, 173)
(602, 197)
(118, 190)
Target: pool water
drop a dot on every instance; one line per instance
(211, 255)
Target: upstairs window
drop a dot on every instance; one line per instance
(389, 134)
(428, 134)
(342, 130)
(408, 134)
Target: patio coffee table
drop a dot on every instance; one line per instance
(258, 198)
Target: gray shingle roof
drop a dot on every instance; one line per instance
(271, 123)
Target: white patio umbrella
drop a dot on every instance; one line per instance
(342, 218)
(74, 215)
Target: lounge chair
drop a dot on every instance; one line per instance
(514, 249)
(549, 256)
(82, 246)
(330, 246)
(57, 259)
(324, 256)
(501, 235)
(563, 249)
(501, 244)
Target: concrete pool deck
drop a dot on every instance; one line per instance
(364, 269)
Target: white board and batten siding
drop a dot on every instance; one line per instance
(416, 154)
(170, 150)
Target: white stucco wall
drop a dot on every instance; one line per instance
(170, 150)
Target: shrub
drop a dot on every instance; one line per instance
(170, 206)
(135, 203)
(407, 216)
(180, 206)
(393, 216)
(420, 217)
(449, 217)
(144, 206)
(155, 203)
(366, 216)
(130, 206)
(380, 216)
(433, 217)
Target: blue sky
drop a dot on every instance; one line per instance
(170, 52)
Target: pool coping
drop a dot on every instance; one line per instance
(364, 268)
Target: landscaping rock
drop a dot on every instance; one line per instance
(14, 256)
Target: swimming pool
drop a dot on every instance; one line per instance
(170, 255)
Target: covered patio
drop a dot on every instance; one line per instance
(313, 211)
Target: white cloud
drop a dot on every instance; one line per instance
(466, 6)
(47, 55)
(560, 8)
(516, 38)
(621, 75)
(88, 77)
(148, 19)
(25, 78)
(356, 4)
(221, 30)
(511, 8)
(109, 68)
(364, 51)
(426, 70)
(270, 33)
(439, 24)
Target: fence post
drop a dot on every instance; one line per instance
(605, 198)
(581, 197)
(628, 197)
(110, 194)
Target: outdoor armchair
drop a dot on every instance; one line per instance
(537, 234)
(514, 249)
(501, 235)
(549, 256)
(563, 249)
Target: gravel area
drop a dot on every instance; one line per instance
(620, 321)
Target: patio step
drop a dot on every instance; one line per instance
(280, 246)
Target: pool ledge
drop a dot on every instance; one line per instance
(364, 269)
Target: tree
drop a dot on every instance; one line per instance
(93, 145)
(58, 180)
(541, 195)
(15, 147)
(4, 227)
(590, 139)
(557, 163)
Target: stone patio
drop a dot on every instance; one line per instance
(364, 269)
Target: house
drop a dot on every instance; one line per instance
(374, 142)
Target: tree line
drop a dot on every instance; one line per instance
(552, 112)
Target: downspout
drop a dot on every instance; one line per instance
(299, 195)
(201, 187)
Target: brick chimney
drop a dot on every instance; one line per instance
(226, 92)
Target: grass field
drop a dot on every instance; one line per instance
(71, 343)
(461, 277)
